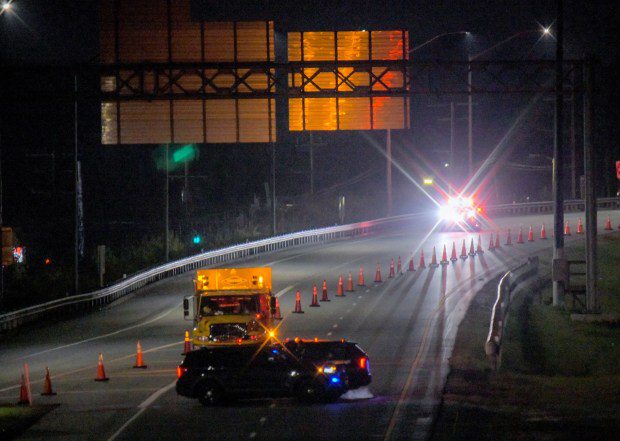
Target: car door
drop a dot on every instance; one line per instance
(269, 370)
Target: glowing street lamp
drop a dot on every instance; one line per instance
(6, 7)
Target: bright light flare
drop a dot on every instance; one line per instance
(547, 30)
(6, 6)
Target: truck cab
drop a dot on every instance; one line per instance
(230, 306)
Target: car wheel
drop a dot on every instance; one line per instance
(309, 391)
(211, 394)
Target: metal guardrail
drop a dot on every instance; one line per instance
(505, 292)
(97, 299)
(547, 206)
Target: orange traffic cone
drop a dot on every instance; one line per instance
(434, 259)
(187, 345)
(471, 248)
(520, 236)
(360, 277)
(543, 232)
(315, 297)
(566, 229)
(298, 309)
(580, 226)
(391, 274)
(101, 370)
(139, 362)
(479, 249)
(463, 251)
(453, 257)
(47, 384)
(422, 263)
(324, 298)
(378, 274)
(340, 292)
(509, 238)
(608, 224)
(497, 244)
(444, 256)
(491, 246)
(411, 267)
(25, 393)
(399, 266)
(277, 315)
(530, 235)
(24, 397)
(350, 283)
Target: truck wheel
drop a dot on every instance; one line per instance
(210, 394)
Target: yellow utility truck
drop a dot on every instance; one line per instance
(232, 306)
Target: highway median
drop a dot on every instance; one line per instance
(559, 377)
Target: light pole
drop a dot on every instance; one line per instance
(436, 37)
(470, 137)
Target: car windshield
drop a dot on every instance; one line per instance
(227, 305)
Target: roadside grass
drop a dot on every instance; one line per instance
(559, 379)
(14, 420)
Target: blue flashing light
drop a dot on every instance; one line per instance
(197, 239)
(335, 380)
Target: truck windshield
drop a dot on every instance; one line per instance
(227, 305)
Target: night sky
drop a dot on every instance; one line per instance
(66, 32)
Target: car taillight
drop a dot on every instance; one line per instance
(180, 371)
(363, 362)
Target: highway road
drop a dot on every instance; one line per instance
(407, 324)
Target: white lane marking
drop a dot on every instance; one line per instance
(74, 371)
(366, 291)
(262, 420)
(349, 310)
(359, 297)
(272, 405)
(335, 326)
(354, 303)
(253, 435)
(340, 318)
(143, 406)
(285, 290)
(99, 337)
(329, 333)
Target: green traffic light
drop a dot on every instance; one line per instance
(197, 239)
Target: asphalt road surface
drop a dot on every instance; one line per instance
(407, 325)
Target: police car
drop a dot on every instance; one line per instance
(310, 370)
(461, 214)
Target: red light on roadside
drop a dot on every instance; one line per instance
(239, 340)
(258, 316)
(47, 261)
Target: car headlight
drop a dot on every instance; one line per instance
(328, 369)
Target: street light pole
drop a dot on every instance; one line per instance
(445, 34)
(559, 262)
(470, 110)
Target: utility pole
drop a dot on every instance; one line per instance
(560, 266)
(470, 117)
(589, 159)
(273, 185)
(388, 150)
(76, 236)
(573, 140)
(167, 207)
